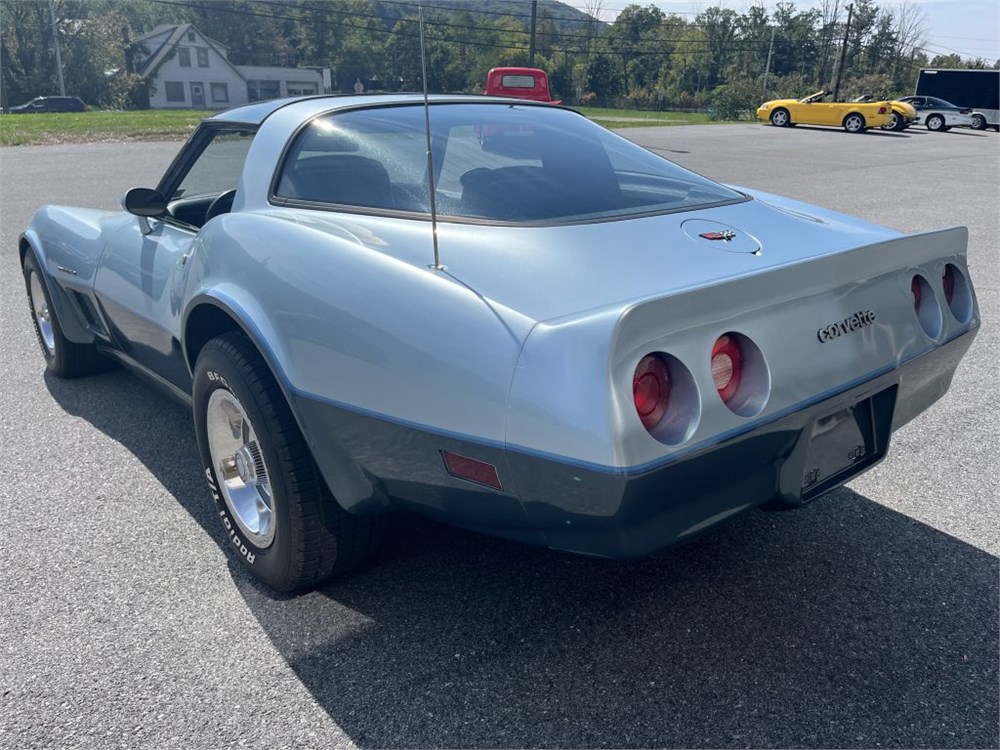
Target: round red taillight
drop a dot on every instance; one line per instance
(651, 390)
(727, 366)
(917, 293)
(948, 281)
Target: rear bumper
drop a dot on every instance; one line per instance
(625, 513)
(372, 464)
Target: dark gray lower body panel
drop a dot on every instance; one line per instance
(373, 464)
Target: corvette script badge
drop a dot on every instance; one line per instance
(861, 319)
(726, 234)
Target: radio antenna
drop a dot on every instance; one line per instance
(430, 156)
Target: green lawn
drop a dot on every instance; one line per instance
(84, 127)
(157, 125)
(625, 118)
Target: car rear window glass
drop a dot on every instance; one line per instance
(518, 82)
(492, 162)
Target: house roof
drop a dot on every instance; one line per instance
(169, 27)
(155, 32)
(158, 56)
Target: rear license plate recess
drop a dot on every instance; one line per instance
(845, 442)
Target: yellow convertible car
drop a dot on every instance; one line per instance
(854, 117)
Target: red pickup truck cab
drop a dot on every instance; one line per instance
(521, 83)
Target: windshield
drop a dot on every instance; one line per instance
(492, 162)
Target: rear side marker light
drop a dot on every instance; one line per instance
(651, 390)
(882, 110)
(471, 470)
(727, 367)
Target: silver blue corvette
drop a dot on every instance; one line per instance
(509, 319)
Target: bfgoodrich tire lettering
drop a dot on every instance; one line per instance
(306, 537)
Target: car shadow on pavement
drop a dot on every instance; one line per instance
(155, 428)
(965, 131)
(838, 129)
(842, 624)
(954, 130)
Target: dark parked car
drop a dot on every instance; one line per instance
(50, 104)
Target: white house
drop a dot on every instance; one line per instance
(184, 69)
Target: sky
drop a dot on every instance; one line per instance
(969, 27)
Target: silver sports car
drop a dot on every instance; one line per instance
(498, 314)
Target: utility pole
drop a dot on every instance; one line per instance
(55, 40)
(531, 48)
(767, 68)
(843, 54)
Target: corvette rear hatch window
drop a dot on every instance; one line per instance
(492, 162)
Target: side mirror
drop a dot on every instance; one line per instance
(144, 203)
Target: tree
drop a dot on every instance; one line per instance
(602, 79)
(719, 26)
(737, 100)
(633, 39)
(796, 41)
(654, 58)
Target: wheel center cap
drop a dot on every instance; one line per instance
(245, 466)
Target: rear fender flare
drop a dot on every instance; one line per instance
(350, 485)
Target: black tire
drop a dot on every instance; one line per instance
(935, 123)
(897, 123)
(854, 123)
(978, 122)
(780, 118)
(313, 538)
(63, 357)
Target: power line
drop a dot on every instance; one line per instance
(691, 45)
(712, 45)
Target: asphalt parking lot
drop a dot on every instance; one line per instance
(868, 619)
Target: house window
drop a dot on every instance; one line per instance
(190, 36)
(184, 57)
(202, 56)
(299, 88)
(220, 92)
(258, 91)
(175, 91)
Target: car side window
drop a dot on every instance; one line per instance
(218, 166)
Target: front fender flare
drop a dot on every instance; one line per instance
(67, 312)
